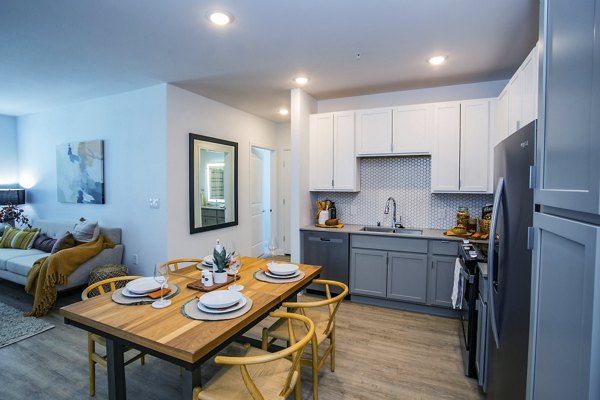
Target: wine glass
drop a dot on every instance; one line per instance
(234, 266)
(161, 276)
(273, 247)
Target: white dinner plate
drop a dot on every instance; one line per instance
(282, 269)
(220, 298)
(234, 307)
(295, 274)
(125, 292)
(143, 285)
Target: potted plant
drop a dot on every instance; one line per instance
(10, 214)
(220, 261)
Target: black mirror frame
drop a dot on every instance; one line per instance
(192, 200)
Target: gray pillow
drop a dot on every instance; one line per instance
(86, 231)
(44, 242)
(65, 242)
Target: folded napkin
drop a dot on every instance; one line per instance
(156, 295)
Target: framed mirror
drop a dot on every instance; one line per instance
(213, 183)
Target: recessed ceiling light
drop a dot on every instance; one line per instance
(284, 111)
(220, 17)
(301, 80)
(437, 60)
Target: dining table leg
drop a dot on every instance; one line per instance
(115, 361)
(191, 379)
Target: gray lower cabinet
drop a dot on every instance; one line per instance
(368, 272)
(564, 358)
(407, 277)
(441, 280)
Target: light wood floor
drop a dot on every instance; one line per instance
(382, 354)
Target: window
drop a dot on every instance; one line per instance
(215, 179)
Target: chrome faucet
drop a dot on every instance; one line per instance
(386, 211)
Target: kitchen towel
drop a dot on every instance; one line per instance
(458, 287)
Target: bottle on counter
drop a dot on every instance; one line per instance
(332, 211)
(462, 217)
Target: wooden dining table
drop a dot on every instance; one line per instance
(168, 334)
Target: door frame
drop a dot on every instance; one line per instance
(274, 184)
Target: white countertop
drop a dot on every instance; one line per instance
(356, 229)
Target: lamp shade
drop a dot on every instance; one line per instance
(13, 196)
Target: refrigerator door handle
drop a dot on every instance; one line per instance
(491, 266)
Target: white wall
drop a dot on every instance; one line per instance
(9, 169)
(188, 112)
(133, 127)
(417, 96)
(283, 144)
(302, 105)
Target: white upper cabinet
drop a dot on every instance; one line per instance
(474, 145)
(412, 127)
(374, 132)
(502, 117)
(321, 151)
(345, 163)
(405, 130)
(461, 158)
(518, 102)
(445, 167)
(333, 164)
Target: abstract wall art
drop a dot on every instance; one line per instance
(80, 172)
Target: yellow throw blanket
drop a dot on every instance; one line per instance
(55, 270)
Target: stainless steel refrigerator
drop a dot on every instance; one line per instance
(509, 265)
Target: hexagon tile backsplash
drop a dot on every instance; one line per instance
(408, 181)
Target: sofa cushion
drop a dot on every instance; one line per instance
(65, 242)
(16, 238)
(21, 265)
(86, 231)
(9, 254)
(44, 243)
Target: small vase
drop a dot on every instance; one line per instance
(220, 277)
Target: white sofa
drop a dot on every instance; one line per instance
(15, 263)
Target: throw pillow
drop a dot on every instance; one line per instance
(65, 242)
(16, 238)
(86, 231)
(44, 243)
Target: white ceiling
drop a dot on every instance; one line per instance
(65, 51)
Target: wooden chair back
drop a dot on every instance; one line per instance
(295, 350)
(179, 263)
(110, 282)
(332, 303)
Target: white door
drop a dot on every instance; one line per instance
(256, 204)
(285, 206)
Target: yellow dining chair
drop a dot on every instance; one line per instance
(322, 313)
(93, 339)
(180, 263)
(262, 375)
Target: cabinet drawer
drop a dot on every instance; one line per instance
(389, 243)
(444, 247)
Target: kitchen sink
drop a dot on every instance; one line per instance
(400, 231)
(378, 229)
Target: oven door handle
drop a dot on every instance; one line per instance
(491, 266)
(468, 277)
